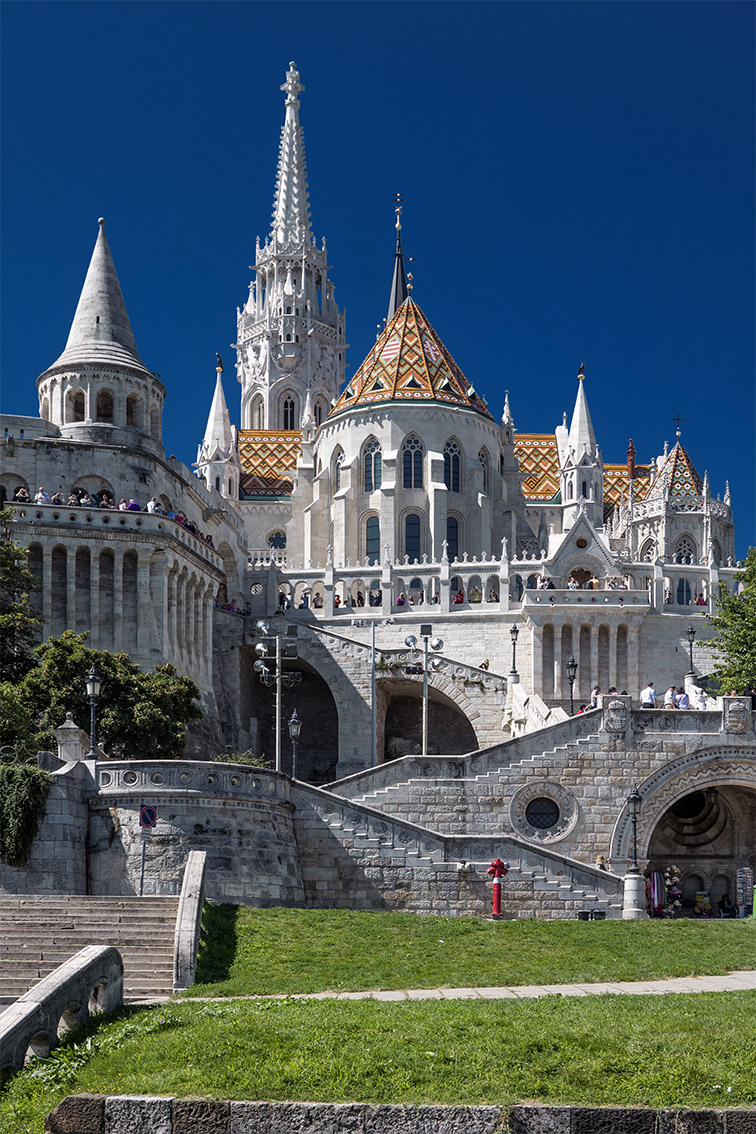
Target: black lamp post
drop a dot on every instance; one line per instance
(514, 634)
(93, 692)
(572, 666)
(295, 727)
(691, 636)
(634, 806)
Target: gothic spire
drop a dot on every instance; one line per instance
(219, 435)
(399, 282)
(582, 438)
(291, 209)
(101, 332)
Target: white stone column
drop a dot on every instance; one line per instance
(634, 897)
(47, 588)
(594, 674)
(94, 598)
(91, 401)
(634, 679)
(145, 612)
(613, 667)
(118, 601)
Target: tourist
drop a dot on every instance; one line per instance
(670, 698)
(123, 506)
(595, 696)
(132, 506)
(601, 862)
(459, 598)
(57, 498)
(572, 584)
(153, 507)
(701, 701)
(726, 909)
(648, 696)
(41, 497)
(683, 700)
(484, 664)
(21, 495)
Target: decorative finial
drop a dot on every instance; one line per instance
(101, 222)
(679, 421)
(219, 364)
(398, 209)
(410, 284)
(292, 86)
(581, 372)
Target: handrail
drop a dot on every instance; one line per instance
(189, 921)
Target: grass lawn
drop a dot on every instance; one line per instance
(685, 1051)
(246, 951)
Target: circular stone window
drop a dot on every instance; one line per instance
(542, 813)
(582, 542)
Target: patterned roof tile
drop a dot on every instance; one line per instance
(268, 461)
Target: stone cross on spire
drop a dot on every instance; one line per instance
(292, 86)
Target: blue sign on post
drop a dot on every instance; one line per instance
(148, 816)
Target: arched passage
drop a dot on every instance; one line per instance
(400, 705)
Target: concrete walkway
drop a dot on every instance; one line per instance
(732, 982)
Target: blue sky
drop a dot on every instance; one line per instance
(579, 185)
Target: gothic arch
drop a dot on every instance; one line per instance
(695, 771)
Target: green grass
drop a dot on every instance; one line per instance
(250, 951)
(676, 1051)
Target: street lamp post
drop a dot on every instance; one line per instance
(691, 636)
(437, 663)
(634, 805)
(279, 679)
(373, 698)
(572, 666)
(295, 727)
(514, 634)
(93, 691)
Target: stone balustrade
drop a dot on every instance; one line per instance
(89, 982)
(189, 921)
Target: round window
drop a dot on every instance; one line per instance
(581, 542)
(542, 813)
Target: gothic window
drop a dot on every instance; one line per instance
(412, 463)
(647, 551)
(373, 539)
(337, 463)
(412, 537)
(277, 540)
(258, 413)
(483, 458)
(685, 550)
(133, 411)
(584, 491)
(452, 538)
(683, 592)
(217, 484)
(451, 466)
(372, 466)
(318, 413)
(569, 490)
(289, 414)
(716, 552)
(105, 405)
(45, 412)
(288, 310)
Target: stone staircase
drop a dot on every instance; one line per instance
(39, 932)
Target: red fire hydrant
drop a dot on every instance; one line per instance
(498, 870)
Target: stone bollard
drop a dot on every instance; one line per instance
(634, 897)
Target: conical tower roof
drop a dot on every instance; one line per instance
(409, 363)
(582, 439)
(219, 434)
(101, 333)
(678, 479)
(291, 209)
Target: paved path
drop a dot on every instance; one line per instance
(732, 982)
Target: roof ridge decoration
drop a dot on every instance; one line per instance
(409, 363)
(677, 479)
(399, 290)
(101, 333)
(291, 207)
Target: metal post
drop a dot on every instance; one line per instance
(93, 728)
(278, 702)
(425, 695)
(373, 706)
(293, 759)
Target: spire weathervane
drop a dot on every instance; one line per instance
(410, 284)
(398, 209)
(218, 363)
(581, 372)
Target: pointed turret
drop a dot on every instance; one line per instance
(582, 439)
(581, 471)
(399, 282)
(217, 460)
(291, 210)
(101, 331)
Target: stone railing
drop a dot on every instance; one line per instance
(89, 982)
(614, 599)
(530, 712)
(189, 921)
(134, 778)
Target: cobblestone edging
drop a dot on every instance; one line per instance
(120, 1114)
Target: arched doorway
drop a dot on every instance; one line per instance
(449, 730)
(709, 833)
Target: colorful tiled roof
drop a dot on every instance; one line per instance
(617, 483)
(539, 464)
(268, 461)
(678, 477)
(409, 363)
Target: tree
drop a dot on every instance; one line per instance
(139, 715)
(19, 622)
(734, 626)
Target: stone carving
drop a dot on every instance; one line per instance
(737, 714)
(617, 715)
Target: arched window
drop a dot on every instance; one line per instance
(412, 462)
(647, 551)
(75, 405)
(258, 413)
(584, 490)
(452, 538)
(483, 458)
(683, 592)
(154, 421)
(217, 484)
(289, 414)
(412, 537)
(277, 540)
(373, 539)
(318, 413)
(372, 466)
(451, 466)
(338, 461)
(685, 550)
(569, 490)
(716, 552)
(133, 414)
(105, 405)
(45, 411)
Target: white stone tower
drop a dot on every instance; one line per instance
(290, 331)
(99, 389)
(217, 456)
(580, 465)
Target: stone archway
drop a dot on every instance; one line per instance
(400, 707)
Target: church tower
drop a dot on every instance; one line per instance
(217, 456)
(99, 389)
(290, 332)
(580, 465)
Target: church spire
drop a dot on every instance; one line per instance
(399, 282)
(582, 438)
(217, 459)
(101, 331)
(291, 209)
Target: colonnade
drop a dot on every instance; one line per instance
(607, 655)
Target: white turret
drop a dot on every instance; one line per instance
(217, 457)
(290, 334)
(581, 467)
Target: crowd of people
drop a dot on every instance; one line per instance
(105, 501)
